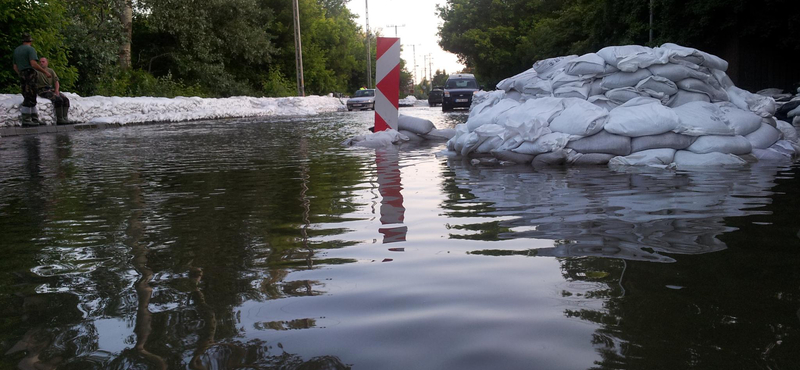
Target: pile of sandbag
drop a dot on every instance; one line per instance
(626, 105)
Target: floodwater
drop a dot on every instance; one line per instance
(247, 244)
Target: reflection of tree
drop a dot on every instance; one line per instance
(229, 205)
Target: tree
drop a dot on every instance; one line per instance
(440, 77)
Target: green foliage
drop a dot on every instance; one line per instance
(191, 47)
(43, 20)
(500, 38)
(277, 85)
(440, 77)
(134, 82)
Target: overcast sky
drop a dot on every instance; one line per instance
(421, 26)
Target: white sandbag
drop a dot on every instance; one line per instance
(588, 64)
(677, 72)
(416, 125)
(411, 136)
(722, 78)
(514, 95)
(624, 79)
(547, 68)
(788, 131)
(469, 143)
(701, 118)
(683, 97)
(743, 122)
(579, 118)
(588, 159)
(698, 86)
(641, 117)
(518, 82)
(579, 90)
(760, 105)
(781, 151)
(692, 55)
(483, 100)
(544, 109)
(488, 145)
(657, 87)
(613, 54)
(685, 159)
(524, 126)
(602, 142)
(794, 112)
(764, 137)
(651, 157)
(624, 94)
(538, 88)
(489, 116)
(603, 102)
(547, 143)
(596, 87)
(562, 78)
(509, 156)
(721, 144)
(456, 143)
(381, 139)
(556, 158)
(642, 60)
(666, 140)
(442, 134)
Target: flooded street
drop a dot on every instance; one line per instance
(261, 244)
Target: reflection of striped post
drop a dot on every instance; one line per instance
(387, 74)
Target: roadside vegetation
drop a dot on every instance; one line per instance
(208, 48)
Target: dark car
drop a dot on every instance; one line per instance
(363, 99)
(435, 96)
(458, 91)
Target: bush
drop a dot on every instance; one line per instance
(277, 85)
(136, 82)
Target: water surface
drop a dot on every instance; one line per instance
(257, 244)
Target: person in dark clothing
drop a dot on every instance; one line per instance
(49, 88)
(26, 63)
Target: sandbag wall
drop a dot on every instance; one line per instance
(626, 105)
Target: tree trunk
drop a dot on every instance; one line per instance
(126, 20)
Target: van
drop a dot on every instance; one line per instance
(458, 91)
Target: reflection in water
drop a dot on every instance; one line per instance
(702, 312)
(596, 212)
(131, 248)
(390, 187)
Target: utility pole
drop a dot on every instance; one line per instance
(298, 49)
(369, 54)
(395, 28)
(414, 51)
(430, 70)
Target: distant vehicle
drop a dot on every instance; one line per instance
(458, 91)
(435, 96)
(363, 99)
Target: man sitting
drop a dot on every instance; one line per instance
(48, 88)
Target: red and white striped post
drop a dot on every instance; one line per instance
(387, 74)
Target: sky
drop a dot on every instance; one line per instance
(419, 32)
